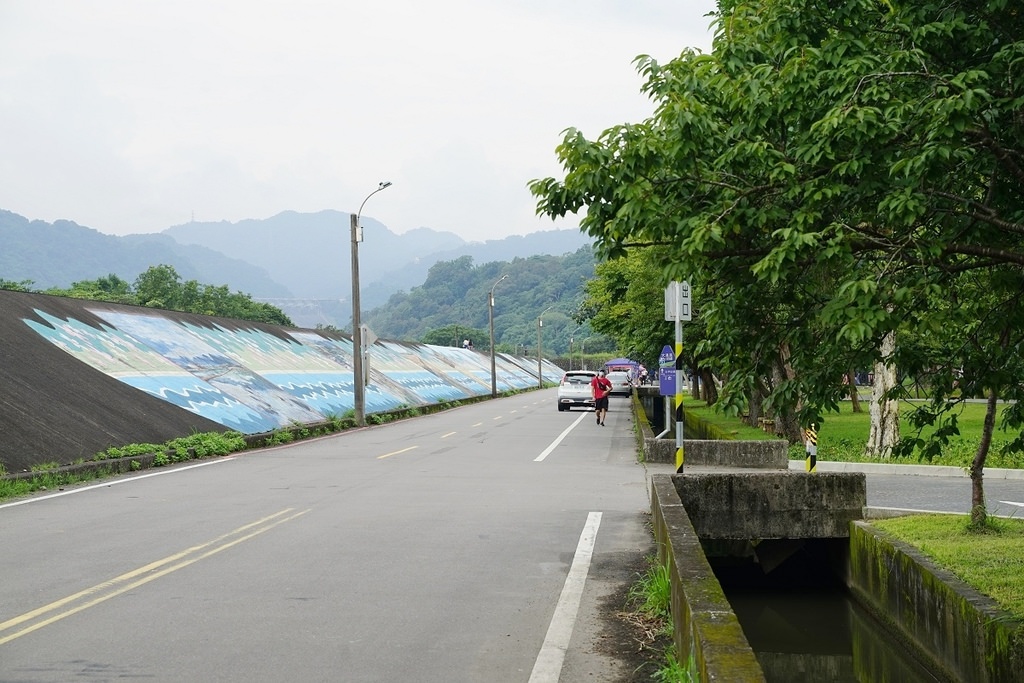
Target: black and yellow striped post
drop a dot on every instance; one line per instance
(677, 309)
(680, 377)
(811, 442)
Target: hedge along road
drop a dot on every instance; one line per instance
(473, 544)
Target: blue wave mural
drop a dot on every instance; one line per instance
(254, 381)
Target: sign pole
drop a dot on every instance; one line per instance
(679, 395)
(677, 308)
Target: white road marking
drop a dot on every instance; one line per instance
(1010, 502)
(116, 482)
(554, 444)
(548, 667)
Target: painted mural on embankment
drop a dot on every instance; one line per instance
(247, 377)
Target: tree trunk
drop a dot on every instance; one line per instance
(754, 404)
(708, 388)
(979, 515)
(885, 416)
(695, 383)
(851, 381)
(786, 424)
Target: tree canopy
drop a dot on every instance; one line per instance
(829, 175)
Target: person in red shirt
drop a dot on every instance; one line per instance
(600, 386)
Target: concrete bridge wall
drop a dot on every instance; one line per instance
(961, 633)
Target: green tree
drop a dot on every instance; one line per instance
(159, 287)
(826, 174)
(11, 285)
(107, 288)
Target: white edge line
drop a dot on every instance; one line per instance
(115, 482)
(554, 444)
(548, 667)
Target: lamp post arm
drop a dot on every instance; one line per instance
(357, 233)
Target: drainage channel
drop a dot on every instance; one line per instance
(803, 625)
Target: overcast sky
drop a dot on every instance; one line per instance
(130, 116)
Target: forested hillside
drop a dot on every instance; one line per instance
(297, 262)
(455, 295)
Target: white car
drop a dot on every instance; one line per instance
(621, 384)
(574, 390)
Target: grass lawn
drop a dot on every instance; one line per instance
(842, 435)
(992, 562)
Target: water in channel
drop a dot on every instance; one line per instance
(804, 626)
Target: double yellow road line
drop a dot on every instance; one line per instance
(90, 597)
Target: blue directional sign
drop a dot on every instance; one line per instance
(666, 381)
(667, 372)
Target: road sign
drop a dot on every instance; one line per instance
(677, 301)
(667, 359)
(369, 338)
(667, 381)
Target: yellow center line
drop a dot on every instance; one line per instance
(445, 436)
(148, 569)
(388, 455)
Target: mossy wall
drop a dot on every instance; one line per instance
(959, 631)
(707, 632)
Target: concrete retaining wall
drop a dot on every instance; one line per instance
(708, 636)
(766, 454)
(961, 632)
(760, 505)
(78, 377)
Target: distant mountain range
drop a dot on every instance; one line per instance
(300, 262)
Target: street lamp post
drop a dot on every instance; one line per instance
(540, 324)
(571, 337)
(490, 318)
(583, 351)
(358, 378)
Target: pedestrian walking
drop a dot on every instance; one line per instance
(600, 386)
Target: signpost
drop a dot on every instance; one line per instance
(368, 340)
(666, 382)
(678, 310)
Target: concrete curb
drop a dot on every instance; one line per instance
(908, 470)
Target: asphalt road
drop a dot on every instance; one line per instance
(471, 545)
(449, 547)
(1003, 497)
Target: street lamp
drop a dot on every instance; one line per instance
(359, 380)
(490, 317)
(583, 350)
(571, 337)
(540, 323)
